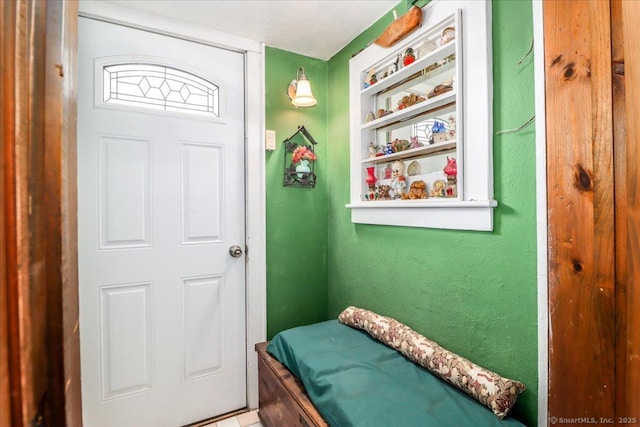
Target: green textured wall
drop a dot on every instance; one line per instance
(473, 292)
(296, 217)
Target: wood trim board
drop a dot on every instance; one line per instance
(283, 399)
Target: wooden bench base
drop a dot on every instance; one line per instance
(282, 398)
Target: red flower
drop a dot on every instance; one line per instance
(302, 153)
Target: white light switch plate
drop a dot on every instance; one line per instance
(271, 140)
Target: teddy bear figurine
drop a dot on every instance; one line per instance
(383, 192)
(417, 190)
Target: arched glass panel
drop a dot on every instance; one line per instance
(158, 87)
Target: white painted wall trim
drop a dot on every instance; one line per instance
(256, 277)
(541, 215)
(256, 220)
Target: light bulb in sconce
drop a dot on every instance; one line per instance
(299, 91)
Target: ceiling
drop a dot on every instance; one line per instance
(315, 28)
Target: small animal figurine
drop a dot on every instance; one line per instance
(383, 192)
(415, 143)
(417, 190)
(399, 145)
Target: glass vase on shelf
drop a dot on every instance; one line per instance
(371, 178)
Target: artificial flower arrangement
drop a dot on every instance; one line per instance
(302, 153)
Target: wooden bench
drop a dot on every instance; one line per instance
(282, 398)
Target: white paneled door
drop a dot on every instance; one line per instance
(160, 204)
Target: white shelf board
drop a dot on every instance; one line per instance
(410, 112)
(433, 57)
(414, 152)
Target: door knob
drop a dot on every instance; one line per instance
(235, 251)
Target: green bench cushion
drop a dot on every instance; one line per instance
(354, 380)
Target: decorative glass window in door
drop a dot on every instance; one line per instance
(159, 88)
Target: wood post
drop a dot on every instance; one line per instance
(580, 191)
(39, 356)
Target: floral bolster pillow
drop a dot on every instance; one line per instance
(487, 387)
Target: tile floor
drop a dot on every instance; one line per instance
(248, 419)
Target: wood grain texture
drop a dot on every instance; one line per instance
(620, 172)
(580, 208)
(7, 35)
(63, 344)
(628, 217)
(69, 221)
(37, 138)
(283, 400)
(26, 389)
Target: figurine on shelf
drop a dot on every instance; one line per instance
(448, 34)
(390, 69)
(438, 131)
(425, 48)
(443, 87)
(382, 112)
(415, 143)
(437, 189)
(409, 100)
(370, 117)
(451, 171)
(399, 181)
(451, 133)
(383, 192)
(409, 56)
(388, 149)
(417, 190)
(370, 74)
(370, 196)
(399, 145)
(452, 123)
(372, 151)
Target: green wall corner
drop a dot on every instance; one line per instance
(297, 217)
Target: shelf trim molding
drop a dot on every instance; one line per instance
(464, 216)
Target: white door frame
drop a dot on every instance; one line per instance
(255, 214)
(541, 214)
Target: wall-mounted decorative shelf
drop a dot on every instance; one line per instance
(421, 133)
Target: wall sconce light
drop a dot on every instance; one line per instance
(299, 91)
